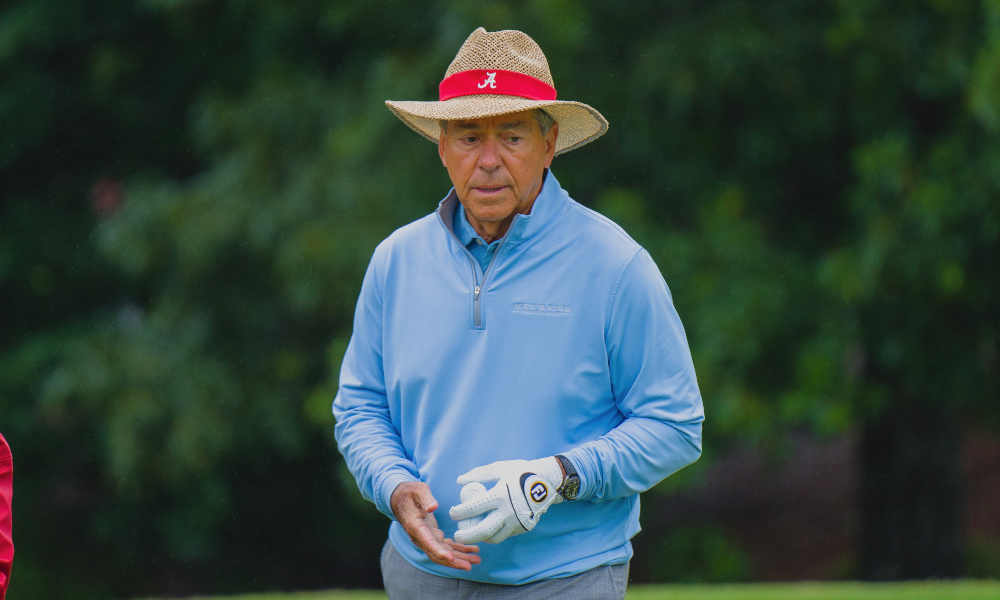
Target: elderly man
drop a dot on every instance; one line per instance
(517, 339)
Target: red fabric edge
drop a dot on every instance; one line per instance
(494, 81)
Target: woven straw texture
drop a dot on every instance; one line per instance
(512, 51)
(509, 50)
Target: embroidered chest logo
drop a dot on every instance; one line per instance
(545, 310)
(491, 80)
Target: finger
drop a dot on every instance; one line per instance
(431, 522)
(425, 499)
(489, 472)
(454, 562)
(462, 565)
(438, 536)
(435, 550)
(501, 535)
(474, 507)
(472, 559)
(459, 547)
(457, 560)
(482, 531)
(422, 535)
(413, 520)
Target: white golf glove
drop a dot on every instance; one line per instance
(524, 491)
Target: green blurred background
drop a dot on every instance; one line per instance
(190, 191)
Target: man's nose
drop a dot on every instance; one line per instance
(489, 157)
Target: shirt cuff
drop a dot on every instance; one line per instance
(386, 487)
(586, 470)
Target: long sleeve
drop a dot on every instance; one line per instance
(6, 493)
(365, 433)
(655, 388)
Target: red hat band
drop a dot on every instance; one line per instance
(495, 81)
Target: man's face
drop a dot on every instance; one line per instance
(496, 163)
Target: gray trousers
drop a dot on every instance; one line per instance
(403, 581)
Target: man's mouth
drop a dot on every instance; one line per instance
(489, 189)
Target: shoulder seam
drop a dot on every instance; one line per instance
(593, 214)
(614, 289)
(379, 284)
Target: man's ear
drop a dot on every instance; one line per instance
(441, 142)
(550, 144)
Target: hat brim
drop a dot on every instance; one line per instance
(579, 124)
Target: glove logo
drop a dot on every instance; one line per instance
(538, 491)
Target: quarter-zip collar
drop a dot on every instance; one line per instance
(550, 201)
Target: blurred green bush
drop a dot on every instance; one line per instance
(697, 553)
(982, 558)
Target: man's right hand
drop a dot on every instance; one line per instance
(414, 506)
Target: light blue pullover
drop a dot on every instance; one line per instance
(568, 343)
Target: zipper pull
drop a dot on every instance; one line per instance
(475, 295)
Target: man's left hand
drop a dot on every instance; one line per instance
(524, 491)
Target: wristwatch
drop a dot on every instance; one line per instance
(570, 487)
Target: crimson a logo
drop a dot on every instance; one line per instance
(491, 81)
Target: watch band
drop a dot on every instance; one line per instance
(570, 487)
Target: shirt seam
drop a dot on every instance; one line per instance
(593, 214)
(379, 283)
(614, 290)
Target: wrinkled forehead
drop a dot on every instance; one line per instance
(518, 122)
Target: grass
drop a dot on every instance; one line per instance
(934, 590)
(963, 590)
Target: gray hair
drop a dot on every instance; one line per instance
(544, 120)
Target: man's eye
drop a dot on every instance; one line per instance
(470, 139)
(514, 139)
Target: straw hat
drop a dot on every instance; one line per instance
(496, 73)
